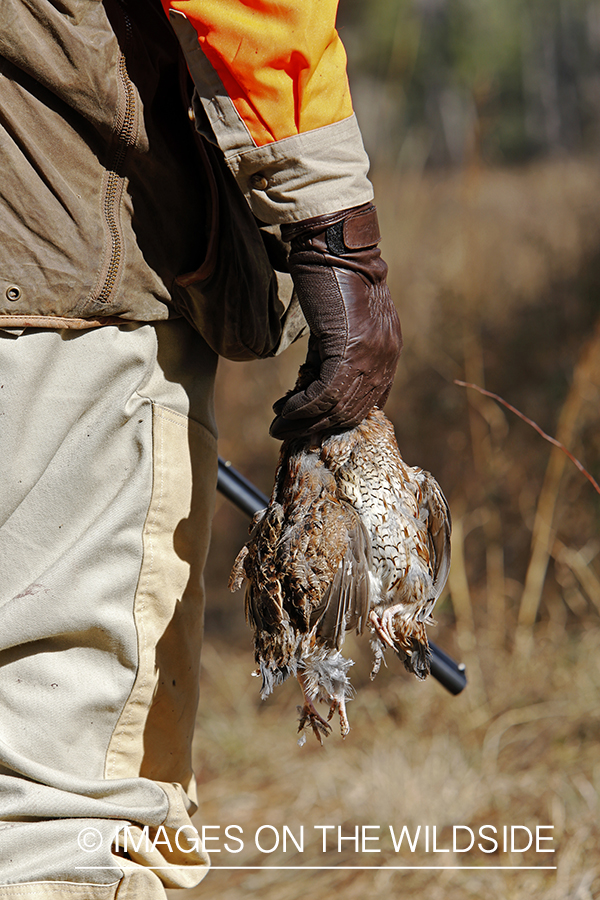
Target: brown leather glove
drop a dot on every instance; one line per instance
(355, 337)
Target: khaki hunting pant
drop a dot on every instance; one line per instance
(108, 471)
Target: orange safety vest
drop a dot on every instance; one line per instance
(282, 63)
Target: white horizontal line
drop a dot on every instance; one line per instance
(369, 868)
(332, 868)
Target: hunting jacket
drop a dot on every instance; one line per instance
(103, 197)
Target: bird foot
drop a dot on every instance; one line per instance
(340, 706)
(310, 716)
(384, 626)
(378, 657)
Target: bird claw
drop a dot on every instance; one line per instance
(378, 657)
(382, 627)
(309, 716)
(340, 706)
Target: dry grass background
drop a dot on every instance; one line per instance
(495, 274)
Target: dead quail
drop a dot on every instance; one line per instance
(352, 537)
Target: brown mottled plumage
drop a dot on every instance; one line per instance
(352, 537)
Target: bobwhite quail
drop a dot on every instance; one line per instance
(353, 538)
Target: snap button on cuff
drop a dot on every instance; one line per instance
(259, 182)
(13, 292)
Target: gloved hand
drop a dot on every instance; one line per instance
(355, 337)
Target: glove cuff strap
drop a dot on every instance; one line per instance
(344, 231)
(356, 232)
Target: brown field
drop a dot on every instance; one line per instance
(495, 274)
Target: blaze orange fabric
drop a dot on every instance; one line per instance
(281, 62)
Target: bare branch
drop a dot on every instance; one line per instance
(534, 425)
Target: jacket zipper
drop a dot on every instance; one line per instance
(114, 185)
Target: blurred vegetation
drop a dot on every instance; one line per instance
(481, 118)
(495, 272)
(435, 81)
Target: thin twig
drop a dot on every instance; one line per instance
(534, 425)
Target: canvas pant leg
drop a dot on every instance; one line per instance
(108, 450)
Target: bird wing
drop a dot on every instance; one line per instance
(257, 558)
(345, 603)
(439, 528)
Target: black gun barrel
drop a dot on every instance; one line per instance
(249, 500)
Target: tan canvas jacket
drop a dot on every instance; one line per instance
(105, 202)
(102, 200)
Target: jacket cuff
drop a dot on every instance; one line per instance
(310, 174)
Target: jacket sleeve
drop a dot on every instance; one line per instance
(271, 79)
